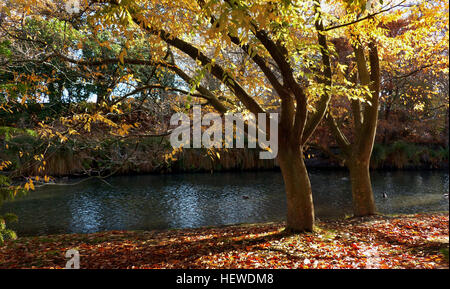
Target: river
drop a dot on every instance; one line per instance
(146, 202)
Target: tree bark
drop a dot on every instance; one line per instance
(363, 200)
(300, 209)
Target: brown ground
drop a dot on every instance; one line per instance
(409, 241)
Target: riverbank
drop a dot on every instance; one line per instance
(104, 155)
(404, 241)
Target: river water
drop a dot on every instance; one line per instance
(147, 202)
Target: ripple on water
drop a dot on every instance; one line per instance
(192, 200)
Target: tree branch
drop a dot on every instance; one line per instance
(314, 120)
(216, 70)
(364, 18)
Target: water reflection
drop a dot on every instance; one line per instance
(184, 203)
(86, 213)
(194, 200)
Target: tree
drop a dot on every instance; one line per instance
(245, 25)
(423, 40)
(271, 51)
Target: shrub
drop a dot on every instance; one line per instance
(445, 253)
(401, 154)
(6, 193)
(5, 233)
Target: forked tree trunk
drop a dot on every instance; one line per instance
(363, 201)
(300, 209)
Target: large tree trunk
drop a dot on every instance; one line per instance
(300, 214)
(363, 200)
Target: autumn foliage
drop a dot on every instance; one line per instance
(414, 241)
(106, 74)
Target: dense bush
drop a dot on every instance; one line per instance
(6, 193)
(401, 154)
